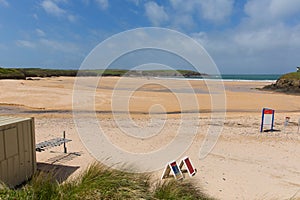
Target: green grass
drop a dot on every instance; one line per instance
(178, 190)
(293, 75)
(11, 74)
(99, 182)
(36, 72)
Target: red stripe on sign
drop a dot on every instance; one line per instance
(268, 111)
(189, 166)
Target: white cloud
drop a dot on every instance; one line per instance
(40, 32)
(136, 2)
(201, 37)
(253, 50)
(266, 27)
(185, 6)
(66, 47)
(284, 8)
(263, 12)
(273, 38)
(61, 1)
(4, 3)
(211, 10)
(103, 4)
(49, 45)
(156, 13)
(72, 18)
(264, 41)
(183, 21)
(52, 8)
(86, 2)
(25, 43)
(185, 14)
(35, 16)
(264, 37)
(216, 10)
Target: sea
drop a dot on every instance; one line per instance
(247, 77)
(233, 77)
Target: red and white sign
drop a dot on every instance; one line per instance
(267, 120)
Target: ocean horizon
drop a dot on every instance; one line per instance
(233, 77)
(248, 77)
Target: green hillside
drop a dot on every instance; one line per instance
(23, 73)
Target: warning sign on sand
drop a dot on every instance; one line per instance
(187, 163)
(172, 166)
(267, 120)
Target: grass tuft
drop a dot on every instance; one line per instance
(99, 182)
(179, 190)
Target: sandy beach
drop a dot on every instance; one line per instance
(244, 163)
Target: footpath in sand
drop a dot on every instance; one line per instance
(244, 164)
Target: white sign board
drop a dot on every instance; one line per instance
(267, 120)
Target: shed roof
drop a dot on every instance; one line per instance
(5, 120)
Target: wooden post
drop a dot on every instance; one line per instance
(65, 148)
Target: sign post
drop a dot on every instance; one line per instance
(267, 119)
(65, 147)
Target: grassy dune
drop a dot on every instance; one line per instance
(98, 182)
(292, 75)
(287, 83)
(23, 73)
(11, 74)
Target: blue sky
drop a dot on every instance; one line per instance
(242, 36)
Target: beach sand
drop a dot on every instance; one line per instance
(244, 163)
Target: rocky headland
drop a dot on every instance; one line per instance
(287, 83)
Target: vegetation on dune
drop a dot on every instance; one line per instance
(178, 190)
(293, 75)
(99, 182)
(167, 73)
(23, 73)
(36, 72)
(287, 83)
(11, 74)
